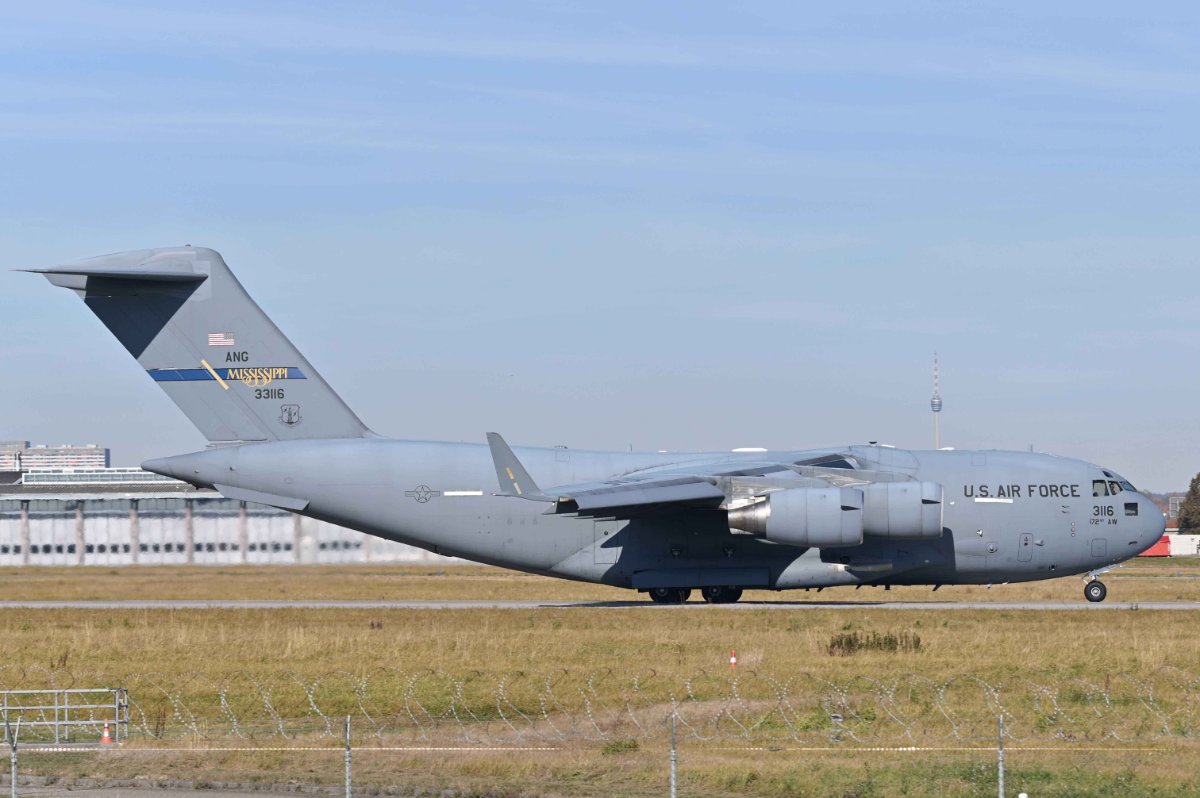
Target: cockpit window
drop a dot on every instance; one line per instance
(1102, 487)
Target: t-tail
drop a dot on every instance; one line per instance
(199, 335)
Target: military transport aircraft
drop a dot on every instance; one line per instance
(661, 523)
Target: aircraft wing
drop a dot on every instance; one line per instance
(638, 495)
(709, 483)
(620, 497)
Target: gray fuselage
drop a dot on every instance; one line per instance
(1007, 516)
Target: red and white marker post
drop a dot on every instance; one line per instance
(733, 659)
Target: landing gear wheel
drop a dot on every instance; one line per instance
(1095, 591)
(669, 595)
(717, 594)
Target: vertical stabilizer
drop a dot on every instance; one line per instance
(191, 325)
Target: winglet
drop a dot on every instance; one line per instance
(514, 479)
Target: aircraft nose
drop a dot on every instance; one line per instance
(1153, 522)
(1157, 523)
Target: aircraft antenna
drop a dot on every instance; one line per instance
(935, 404)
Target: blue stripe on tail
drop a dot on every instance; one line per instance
(198, 375)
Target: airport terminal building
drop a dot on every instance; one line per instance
(21, 456)
(126, 516)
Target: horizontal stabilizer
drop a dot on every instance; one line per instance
(116, 274)
(164, 265)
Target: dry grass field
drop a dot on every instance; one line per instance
(191, 650)
(984, 643)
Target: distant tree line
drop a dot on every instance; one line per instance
(1189, 508)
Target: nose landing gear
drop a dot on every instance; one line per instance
(1093, 589)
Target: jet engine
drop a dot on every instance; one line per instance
(832, 517)
(903, 510)
(805, 517)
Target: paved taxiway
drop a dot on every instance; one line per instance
(168, 604)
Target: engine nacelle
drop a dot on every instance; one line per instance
(903, 510)
(810, 517)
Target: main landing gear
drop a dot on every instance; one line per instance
(669, 595)
(713, 594)
(1095, 590)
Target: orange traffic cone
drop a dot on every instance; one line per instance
(106, 738)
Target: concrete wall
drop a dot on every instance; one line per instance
(1184, 545)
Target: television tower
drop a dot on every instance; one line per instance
(935, 404)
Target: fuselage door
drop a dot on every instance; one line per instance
(1025, 550)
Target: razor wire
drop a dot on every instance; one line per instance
(512, 707)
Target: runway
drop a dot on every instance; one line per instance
(1001, 606)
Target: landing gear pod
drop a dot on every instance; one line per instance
(904, 510)
(805, 517)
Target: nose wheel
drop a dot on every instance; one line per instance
(1095, 591)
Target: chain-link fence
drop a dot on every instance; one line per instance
(524, 706)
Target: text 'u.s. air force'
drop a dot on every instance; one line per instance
(1029, 490)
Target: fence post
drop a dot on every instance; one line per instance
(347, 756)
(1000, 752)
(12, 744)
(674, 758)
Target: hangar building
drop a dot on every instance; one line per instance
(126, 516)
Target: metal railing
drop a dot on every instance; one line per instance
(61, 711)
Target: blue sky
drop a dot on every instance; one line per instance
(672, 226)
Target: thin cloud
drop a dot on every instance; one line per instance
(135, 28)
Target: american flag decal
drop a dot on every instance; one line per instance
(220, 339)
